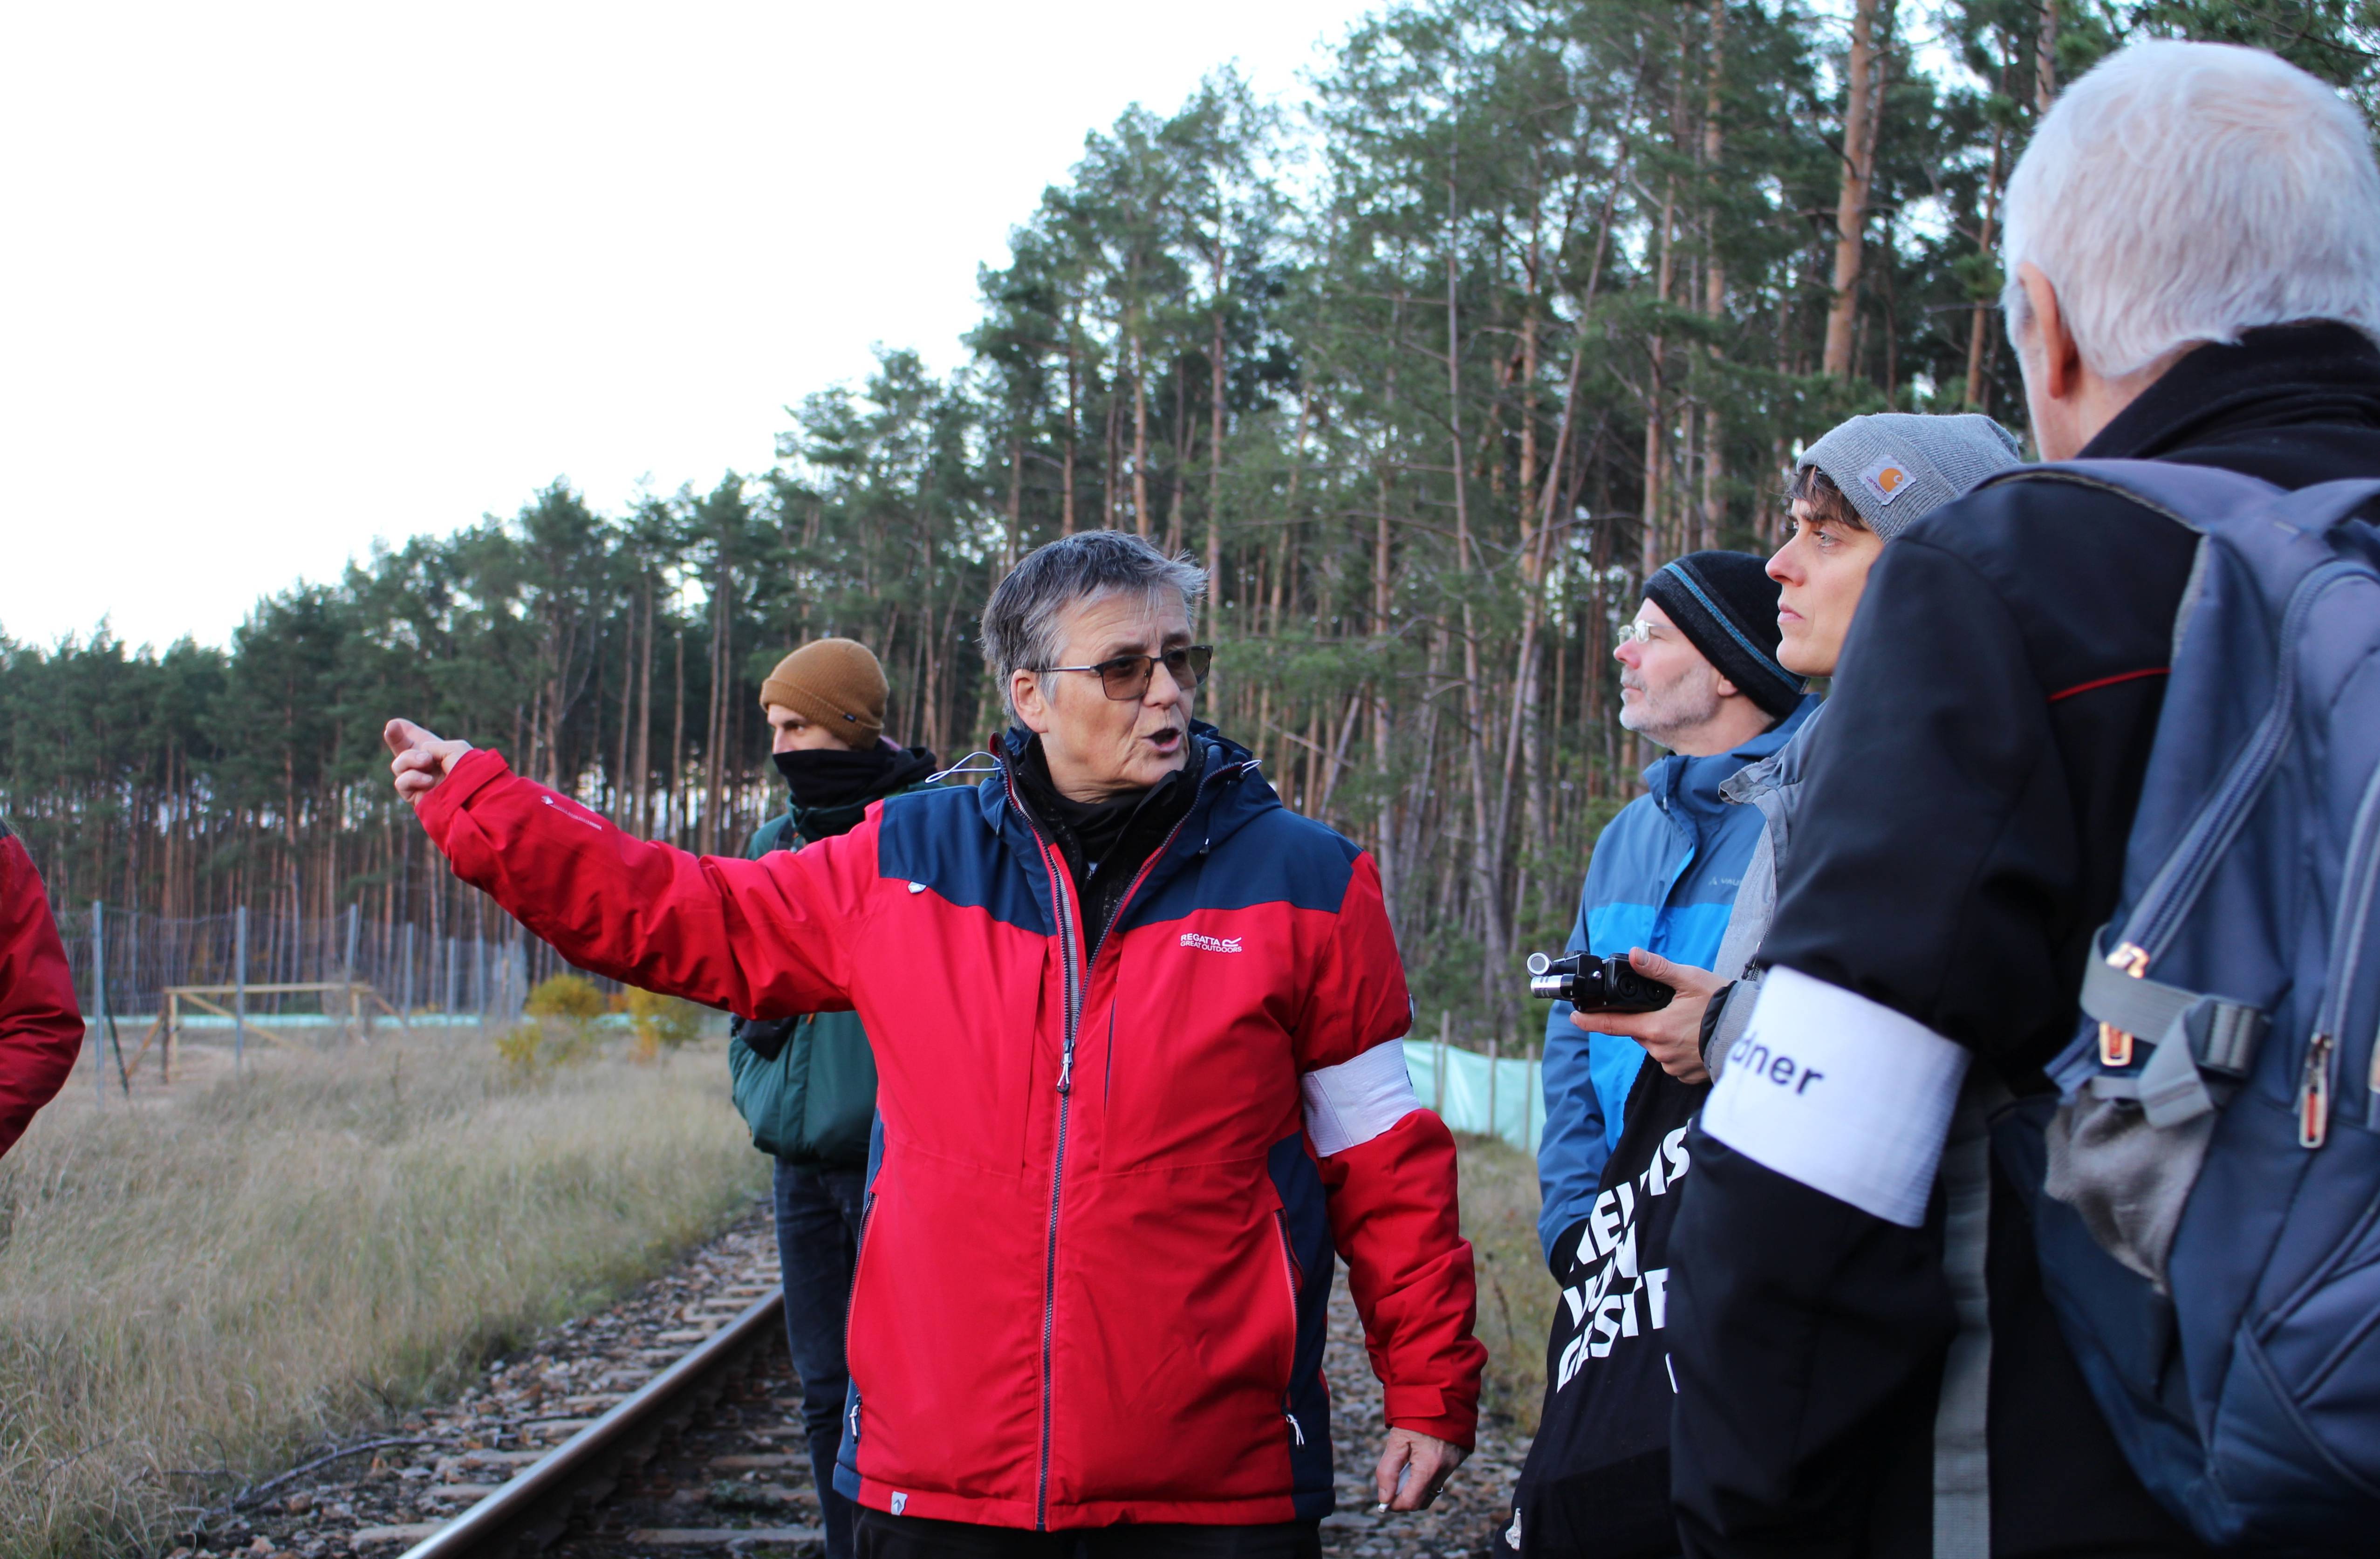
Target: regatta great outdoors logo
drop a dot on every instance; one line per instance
(1206, 944)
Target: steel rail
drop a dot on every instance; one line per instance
(529, 1502)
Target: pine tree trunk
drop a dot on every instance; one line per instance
(1074, 420)
(1979, 323)
(1657, 407)
(1215, 388)
(1016, 499)
(2044, 59)
(1139, 440)
(1714, 282)
(676, 799)
(1486, 856)
(1850, 201)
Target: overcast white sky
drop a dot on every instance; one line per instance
(275, 280)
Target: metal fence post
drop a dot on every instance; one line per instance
(1494, 1041)
(98, 1001)
(1529, 1102)
(1438, 1056)
(240, 991)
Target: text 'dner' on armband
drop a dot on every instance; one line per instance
(1840, 1093)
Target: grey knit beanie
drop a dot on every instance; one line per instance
(1896, 466)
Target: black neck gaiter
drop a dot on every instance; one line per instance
(1104, 843)
(836, 776)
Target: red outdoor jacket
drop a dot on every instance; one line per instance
(1097, 1249)
(41, 1023)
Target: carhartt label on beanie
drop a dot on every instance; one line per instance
(1896, 468)
(836, 683)
(1726, 604)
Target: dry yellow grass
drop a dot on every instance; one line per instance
(1516, 1294)
(223, 1277)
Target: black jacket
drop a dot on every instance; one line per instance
(1961, 839)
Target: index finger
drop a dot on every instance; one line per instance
(403, 736)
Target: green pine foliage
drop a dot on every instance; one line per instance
(1527, 298)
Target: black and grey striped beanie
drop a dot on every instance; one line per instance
(1726, 603)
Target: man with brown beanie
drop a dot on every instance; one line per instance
(807, 1085)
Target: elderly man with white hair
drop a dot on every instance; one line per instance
(1866, 1360)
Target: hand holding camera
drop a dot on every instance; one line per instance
(1593, 985)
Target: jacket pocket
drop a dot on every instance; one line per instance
(1292, 1283)
(1294, 1274)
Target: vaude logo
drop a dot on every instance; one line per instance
(1210, 943)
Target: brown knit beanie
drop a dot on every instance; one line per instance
(835, 683)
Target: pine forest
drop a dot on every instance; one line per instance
(1428, 370)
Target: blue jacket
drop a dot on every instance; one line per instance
(1663, 877)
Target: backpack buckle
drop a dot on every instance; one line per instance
(2115, 1045)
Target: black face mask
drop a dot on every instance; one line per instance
(835, 776)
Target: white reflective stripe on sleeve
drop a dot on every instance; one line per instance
(1348, 1104)
(1840, 1093)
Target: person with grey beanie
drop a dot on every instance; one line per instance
(1854, 490)
(1603, 1434)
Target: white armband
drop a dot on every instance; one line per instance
(1348, 1104)
(1840, 1093)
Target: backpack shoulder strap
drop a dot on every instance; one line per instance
(2206, 498)
(769, 836)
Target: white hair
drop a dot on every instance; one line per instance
(2187, 193)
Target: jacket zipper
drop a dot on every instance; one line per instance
(2178, 884)
(1296, 1275)
(850, 1302)
(1063, 905)
(2359, 881)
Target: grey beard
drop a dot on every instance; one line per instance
(1682, 708)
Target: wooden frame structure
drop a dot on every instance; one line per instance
(360, 998)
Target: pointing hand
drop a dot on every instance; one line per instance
(422, 758)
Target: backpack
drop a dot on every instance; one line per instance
(2205, 1184)
(805, 1086)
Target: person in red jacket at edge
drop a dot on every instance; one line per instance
(1137, 1031)
(41, 1022)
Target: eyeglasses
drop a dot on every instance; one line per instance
(1127, 676)
(1636, 633)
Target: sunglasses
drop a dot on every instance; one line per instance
(1127, 676)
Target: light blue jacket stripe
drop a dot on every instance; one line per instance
(1663, 877)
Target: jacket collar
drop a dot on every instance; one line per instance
(1687, 789)
(1231, 792)
(2277, 377)
(1781, 768)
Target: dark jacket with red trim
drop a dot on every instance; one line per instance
(1961, 838)
(41, 1022)
(1097, 1252)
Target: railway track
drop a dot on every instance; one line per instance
(669, 1425)
(541, 1504)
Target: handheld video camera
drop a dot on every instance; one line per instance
(1593, 985)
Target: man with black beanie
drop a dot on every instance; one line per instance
(1699, 675)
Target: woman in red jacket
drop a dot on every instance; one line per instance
(41, 1024)
(1137, 1037)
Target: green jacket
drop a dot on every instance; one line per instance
(813, 1102)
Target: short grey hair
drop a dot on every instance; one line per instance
(1020, 621)
(2182, 192)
